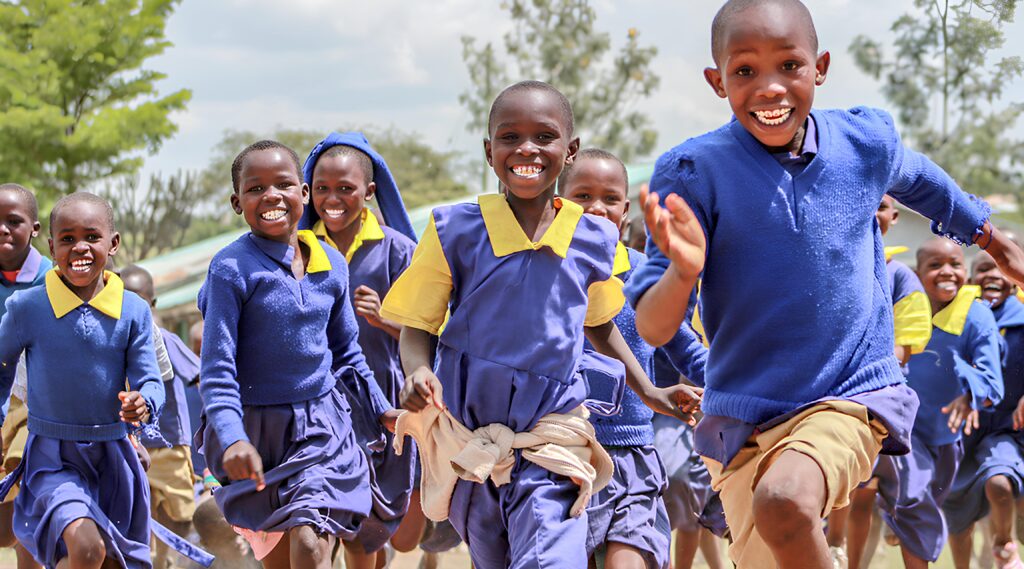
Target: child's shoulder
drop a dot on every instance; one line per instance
(981, 316)
(227, 261)
(134, 307)
(858, 123)
(397, 240)
(703, 146)
(28, 297)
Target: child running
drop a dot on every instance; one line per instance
(801, 392)
(21, 267)
(171, 477)
(84, 501)
(628, 521)
(991, 474)
(278, 333)
(508, 454)
(344, 173)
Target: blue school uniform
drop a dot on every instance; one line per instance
(995, 448)
(511, 366)
(805, 235)
(175, 427)
(32, 273)
(270, 376)
(376, 257)
(78, 462)
(962, 357)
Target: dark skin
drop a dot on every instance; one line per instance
(340, 192)
(17, 228)
(529, 144)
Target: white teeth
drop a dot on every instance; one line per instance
(81, 265)
(946, 286)
(334, 212)
(527, 170)
(273, 215)
(773, 117)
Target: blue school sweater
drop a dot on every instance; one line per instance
(632, 426)
(826, 329)
(32, 272)
(963, 356)
(269, 339)
(78, 356)
(1010, 319)
(175, 425)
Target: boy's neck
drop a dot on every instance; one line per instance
(938, 305)
(15, 263)
(343, 239)
(795, 145)
(89, 291)
(534, 215)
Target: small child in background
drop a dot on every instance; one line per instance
(277, 432)
(991, 474)
(21, 267)
(84, 499)
(955, 377)
(344, 173)
(171, 476)
(629, 525)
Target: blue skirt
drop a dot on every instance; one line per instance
(986, 455)
(630, 509)
(689, 499)
(62, 481)
(316, 475)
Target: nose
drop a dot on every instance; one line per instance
(771, 88)
(527, 148)
(80, 247)
(597, 208)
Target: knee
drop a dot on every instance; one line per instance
(7, 538)
(782, 511)
(306, 546)
(863, 500)
(86, 548)
(999, 489)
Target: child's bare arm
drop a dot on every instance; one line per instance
(1007, 255)
(422, 388)
(678, 401)
(678, 234)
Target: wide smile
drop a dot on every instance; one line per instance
(773, 117)
(335, 213)
(527, 171)
(947, 287)
(81, 266)
(273, 214)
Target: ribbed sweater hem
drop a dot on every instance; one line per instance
(68, 432)
(624, 435)
(755, 409)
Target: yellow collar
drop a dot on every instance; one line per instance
(109, 301)
(318, 260)
(890, 252)
(952, 318)
(507, 236)
(622, 263)
(369, 230)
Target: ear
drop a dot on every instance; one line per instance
(36, 227)
(235, 203)
(115, 243)
(371, 189)
(49, 241)
(714, 78)
(624, 223)
(895, 216)
(574, 148)
(305, 194)
(487, 152)
(821, 67)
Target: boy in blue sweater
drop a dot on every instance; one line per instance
(801, 393)
(83, 500)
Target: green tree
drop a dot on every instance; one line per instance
(76, 104)
(153, 219)
(947, 93)
(556, 41)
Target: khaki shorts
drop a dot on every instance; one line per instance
(838, 435)
(171, 480)
(15, 434)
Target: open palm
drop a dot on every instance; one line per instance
(676, 231)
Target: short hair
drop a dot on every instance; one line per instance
(345, 150)
(563, 101)
(591, 154)
(82, 197)
(733, 7)
(136, 272)
(26, 195)
(236, 165)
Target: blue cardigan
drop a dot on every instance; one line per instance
(269, 339)
(795, 300)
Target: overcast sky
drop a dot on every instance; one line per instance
(259, 64)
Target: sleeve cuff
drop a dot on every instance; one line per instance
(228, 426)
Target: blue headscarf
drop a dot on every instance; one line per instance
(389, 201)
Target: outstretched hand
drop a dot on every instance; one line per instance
(961, 414)
(679, 401)
(422, 388)
(134, 410)
(676, 231)
(243, 462)
(1018, 415)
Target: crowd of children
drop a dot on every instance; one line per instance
(365, 389)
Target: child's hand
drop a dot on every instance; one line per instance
(389, 418)
(675, 231)
(679, 401)
(134, 410)
(142, 453)
(366, 303)
(961, 414)
(1018, 415)
(422, 388)
(242, 462)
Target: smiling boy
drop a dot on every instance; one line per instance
(801, 392)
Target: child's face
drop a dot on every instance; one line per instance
(530, 142)
(81, 241)
(995, 288)
(600, 187)
(768, 70)
(340, 190)
(270, 194)
(886, 214)
(17, 228)
(940, 266)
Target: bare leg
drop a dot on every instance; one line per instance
(710, 548)
(911, 561)
(874, 538)
(686, 548)
(357, 558)
(309, 550)
(787, 506)
(999, 491)
(836, 534)
(86, 548)
(862, 508)
(279, 557)
(622, 556)
(7, 538)
(25, 559)
(410, 531)
(962, 545)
